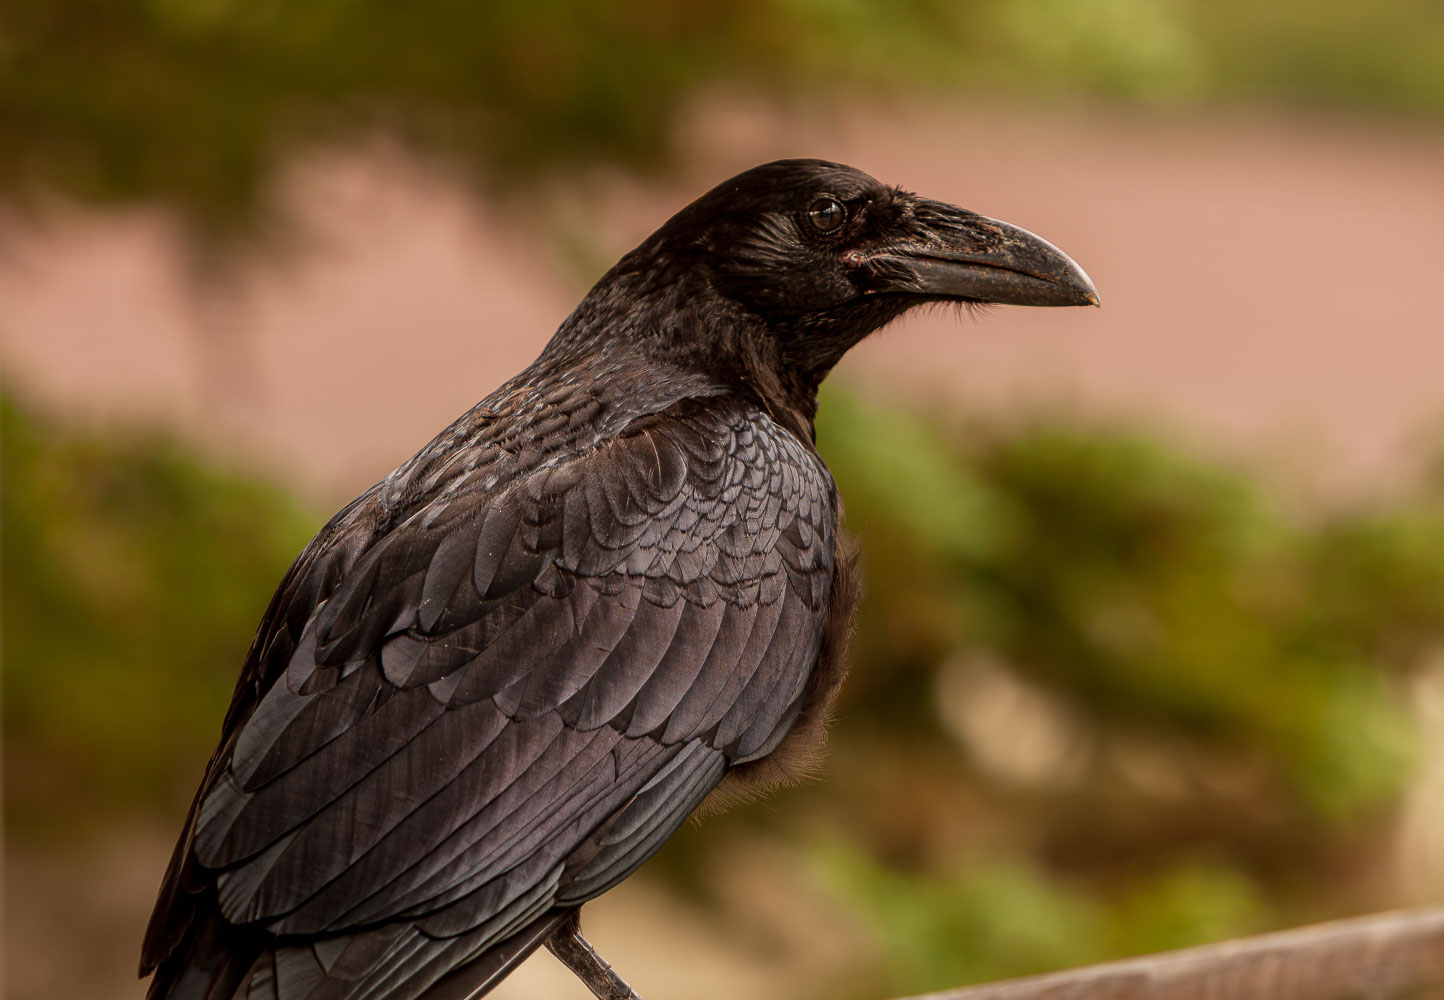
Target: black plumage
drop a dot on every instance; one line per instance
(499, 679)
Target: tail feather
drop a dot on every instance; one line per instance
(209, 963)
(216, 961)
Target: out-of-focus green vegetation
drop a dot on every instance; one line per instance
(1106, 698)
(133, 575)
(1150, 591)
(999, 917)
(1145, 705)
(192, 101)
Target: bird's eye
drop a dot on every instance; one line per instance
(825, 214)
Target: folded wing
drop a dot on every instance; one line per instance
(506, 702)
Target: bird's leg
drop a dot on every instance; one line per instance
(577, 954)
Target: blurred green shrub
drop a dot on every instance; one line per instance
(1002, 916)
(191, 101)
(133, 576)
(1106, 698)
(1151, 592)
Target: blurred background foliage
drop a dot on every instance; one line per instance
(130, 579)
(194, 102)
(1107, 696)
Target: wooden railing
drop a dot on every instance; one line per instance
(1391, 956)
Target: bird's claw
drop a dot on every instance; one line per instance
(577, 954)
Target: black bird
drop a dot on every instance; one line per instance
(498, 680)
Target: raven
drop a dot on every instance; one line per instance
(497, 681)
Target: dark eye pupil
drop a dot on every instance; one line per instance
(826, 214)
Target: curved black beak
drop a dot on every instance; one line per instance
(957, 254)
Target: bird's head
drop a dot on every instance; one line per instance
(821, 255)
(807, 236)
